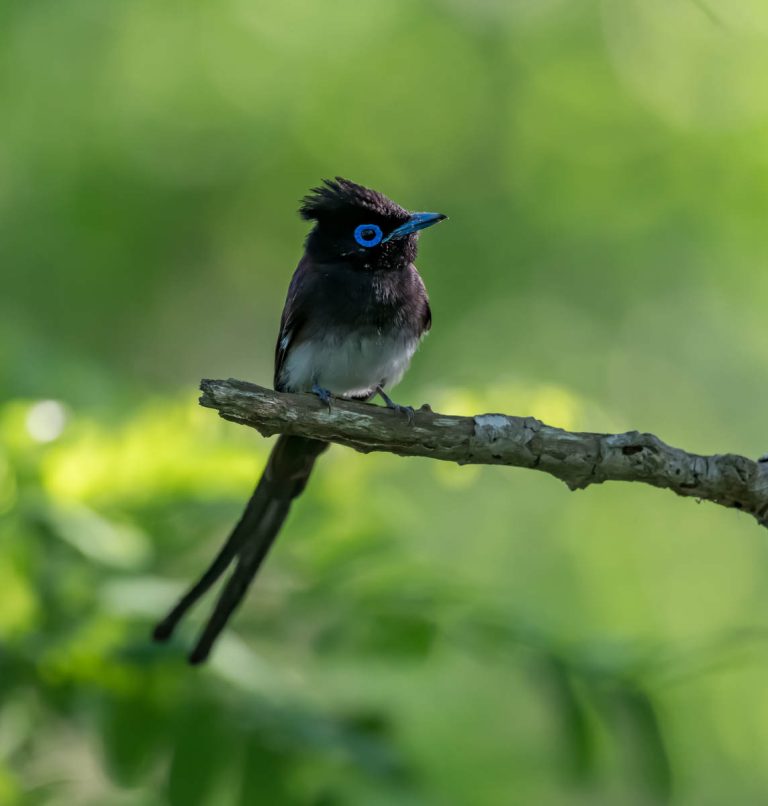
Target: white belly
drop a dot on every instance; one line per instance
(353, 366)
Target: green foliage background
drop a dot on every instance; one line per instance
(422, 634)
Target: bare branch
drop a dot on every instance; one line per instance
(577, 458)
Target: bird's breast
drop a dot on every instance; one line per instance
(351, 364)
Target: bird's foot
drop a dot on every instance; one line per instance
(324, 395)
(407, 410)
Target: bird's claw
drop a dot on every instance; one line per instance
(324, 395)
(407, 410)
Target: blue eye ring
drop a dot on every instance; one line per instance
(368, 235)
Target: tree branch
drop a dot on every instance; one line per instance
(577, 458)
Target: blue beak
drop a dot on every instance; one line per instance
(416, 222)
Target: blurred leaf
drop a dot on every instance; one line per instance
(392, 634)
(647, 751)
(265, 775)
(117, 545)
(201, 753)
(18, 600)
(133, 733)
(577, 730)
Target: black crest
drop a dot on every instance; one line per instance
(339, 196)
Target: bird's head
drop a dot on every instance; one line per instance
(361, 226)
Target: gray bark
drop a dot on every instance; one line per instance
(577, 458)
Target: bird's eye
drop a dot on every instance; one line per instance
(368, 234)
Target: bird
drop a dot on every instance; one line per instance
(355, 313)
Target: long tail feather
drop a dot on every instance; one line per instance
(245, 526)
(288, 469)
(248, 563)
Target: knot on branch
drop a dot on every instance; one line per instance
(494, 433)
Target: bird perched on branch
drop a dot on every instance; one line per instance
(355, 313)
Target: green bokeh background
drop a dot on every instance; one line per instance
(422, 634)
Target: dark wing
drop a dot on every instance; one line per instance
(425, 312)
(293, 319)
(426, 322)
